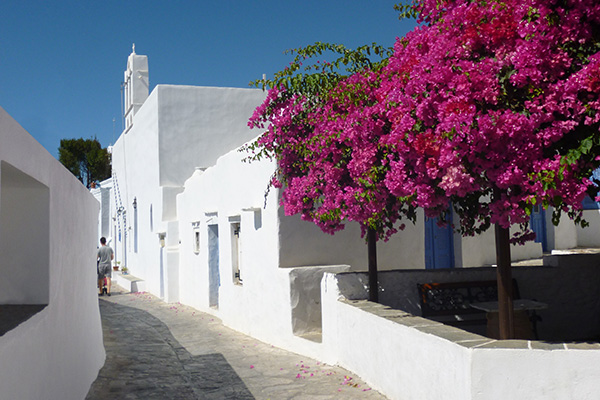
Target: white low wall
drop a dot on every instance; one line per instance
(567, 235)
(57, 353)
(480, 250)
(408, 357)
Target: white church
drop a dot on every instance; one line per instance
(193, 223)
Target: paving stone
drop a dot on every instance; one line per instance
(506, 344)
(583, 346)
(449, 332)
(164, 351)
(474, 343)
(538, 345)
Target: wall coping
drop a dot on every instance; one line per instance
(458, 336)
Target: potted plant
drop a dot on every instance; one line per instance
(124, 270)
(116, 267)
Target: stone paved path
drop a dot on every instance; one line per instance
(164, 351)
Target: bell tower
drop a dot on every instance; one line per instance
(135, 86)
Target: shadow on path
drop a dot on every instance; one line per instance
(144, 361)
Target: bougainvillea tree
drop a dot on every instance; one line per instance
(494, 109)
(489, 106)
(493, 106)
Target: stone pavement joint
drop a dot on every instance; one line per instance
(156, 350)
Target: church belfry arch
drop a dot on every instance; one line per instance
(135, 86)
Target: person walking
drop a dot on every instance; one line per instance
(105, 257)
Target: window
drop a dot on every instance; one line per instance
(135, 225)
(235, 229)
(196, 237)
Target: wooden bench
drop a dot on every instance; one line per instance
(450, 302)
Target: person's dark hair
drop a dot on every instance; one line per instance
(102, 240)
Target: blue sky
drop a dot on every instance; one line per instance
(62, 62)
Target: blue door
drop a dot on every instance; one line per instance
(214, 280)
(538, 226)
(439, 246)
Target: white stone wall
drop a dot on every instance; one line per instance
(480, 250)
(303, 243)
(590, 236)
(408, 357)
(104, 194)
(542, 373)
(58, 352)
(199, 124)
(567, 235)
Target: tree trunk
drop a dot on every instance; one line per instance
(505, 286)
(372, 251)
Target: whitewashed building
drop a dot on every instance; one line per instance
(168, 133)
(51, 337)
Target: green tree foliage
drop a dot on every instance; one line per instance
(86, 159)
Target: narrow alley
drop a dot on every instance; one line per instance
(156, 350)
